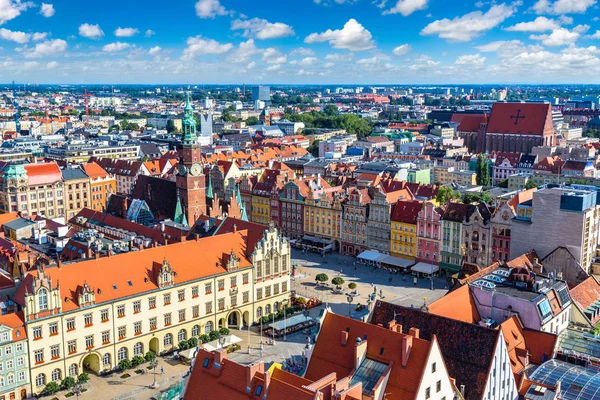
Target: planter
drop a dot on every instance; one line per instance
(125, 376)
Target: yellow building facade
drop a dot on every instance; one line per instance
(261, 209)
(323, 217)
(88, 316)
(403, 232)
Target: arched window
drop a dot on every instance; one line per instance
(56, 375)
(106, 359)
(208, 327)
(73, 369)
(40, 380)
(168, 339)
(196, 331)
(259, 312)
(138, 349)
(182, 335)
(43, 299)
(122, 353)
(268, 309)
(276, 306)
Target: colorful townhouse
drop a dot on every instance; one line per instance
(429, 234)
(14, 362)
(354, 221)
(323, 217)
(403, 229)
(380, 211)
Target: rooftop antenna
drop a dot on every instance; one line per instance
(16, 106)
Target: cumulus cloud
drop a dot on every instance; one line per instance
(90, 31)
(274, 56)
(402, 50)
(475, 60)
(149, 33)
(562, 6)
(244, 51)
(302, 51)
(52, 65)
(116, 46)
(10, 9)
(198, 46)
(594, 35)
(14, 36)
(262, 29)
(407, 7)
(47, 48)
(540, 24)
(469, 26)
(558, 37)
(339, 57)
(306, 61)
(154, 50)
(501, 45)
(39, 36)
(126, 32)
(47, 10)
(274, 67)
(372, 60)
(210, 9)
(353, 36)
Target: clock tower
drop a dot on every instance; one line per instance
(190, 178)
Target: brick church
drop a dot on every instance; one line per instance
(511, 127)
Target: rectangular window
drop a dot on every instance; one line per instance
(233, 300)
(152, 323)
(276, 288)
(209, 307)
(438, 386)
(87, 318)
(283, 287)
(195, 291)
(105, 337)
(208, 288)
(37, 332)
(221, 304)
(55, 351)
(89, 342)
(122, 331)
(181, 315)
(152, 302)
(167, 319)
(181, 295)
(245, 278)
(53, 328)
(167, 299)
(233, 281)
(221, 284)
(195, 311)
(137, 328)
(246, 297)
(39, 356)
(433, 368)
(104, 315)
(137, 306)
(20, 361)
(267, 291)
(72, 346)
(258, 294)
(21, 376)
(121, 311)
(427, 393)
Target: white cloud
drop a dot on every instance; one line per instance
(540, 24)
(14, 36)
(307, 61)
(594, 35)
(90, 31)
(372, 60)
(302, 51)
(581, 28)
(244, 51)
(251, 65)
(304, 72)
(31, 65)
(52, 65)
(210, 9)
(339, 57)
(116, 46)
(198, 46)
(329, 65)
(154, 50)
(274, 67)
(10, 9)
(47, 48)
(149, 33)
(353, 36)
(47, 10)
(402, 50)
(262, 29)
(558, 37)
(469, 26)
(274, 56)
(563, 6)
(501, 45)
(407, 7)
(126, 32)
(475, 60)
(39, 36)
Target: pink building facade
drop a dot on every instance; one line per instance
(428, 234)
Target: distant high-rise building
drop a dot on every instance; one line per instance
(206, 129)
(208, 103)
(261, 93)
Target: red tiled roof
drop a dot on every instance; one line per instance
(458, 305)
(534, 119)
(94, 171)
(469, 122)
(586, 293)
(43, 173)
(407, 211)
(15, 321)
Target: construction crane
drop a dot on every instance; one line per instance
(86, 97)
(16, 106)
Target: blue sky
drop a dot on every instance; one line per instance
(300, 41)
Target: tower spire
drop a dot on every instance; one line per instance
(190, 135)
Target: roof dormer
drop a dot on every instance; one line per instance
(164, 274)
(86, 296)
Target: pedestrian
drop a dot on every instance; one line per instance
(415, 280)
(162, 370)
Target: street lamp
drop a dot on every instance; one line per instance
(77, 389)
(222, 340)
(349, 298)
(154, 364)
(285, 303)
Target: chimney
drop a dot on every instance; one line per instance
(220, 356)
(234, 228)
(197, 237)
(395, 327)
(140, 247)
(344, 338)
(96, 255)
(58, 263)
(360, 352)
(407, 341)
(414, 332)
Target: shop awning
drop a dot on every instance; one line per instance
(214, 345)
(425, 268)
(370, 255)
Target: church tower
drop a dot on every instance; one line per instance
(190, 178)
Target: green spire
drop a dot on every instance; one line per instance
(189, 123)
(238, 197)
(179, 216)
(209, 190)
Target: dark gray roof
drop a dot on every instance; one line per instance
(73, 173)
(19, 223)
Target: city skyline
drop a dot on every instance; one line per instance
(306, 42)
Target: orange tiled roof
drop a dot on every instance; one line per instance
(4, 218)
(15, 321)
(586, 293)
(43, 173)
(94, 171)
(458, 304)
(108, 275)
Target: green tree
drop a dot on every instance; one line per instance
(314, 148)
(226, 116)
(137, 360)
(483, 171)
(337, 281)
(352, 285)
(124, 365)
(445, 194)
(224, 331)
(321, 278)
(68, 382)
(149, 356)
(204, 338)
(530, 184)
(184, 345)
(252, 121)
(471, 197)
(214, 335)
(83, 377)
(170, 126)
(192, 342)
(331, 110)
(51, 388)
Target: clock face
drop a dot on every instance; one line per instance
(505, 216)
(182, 169)
(195, 170)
